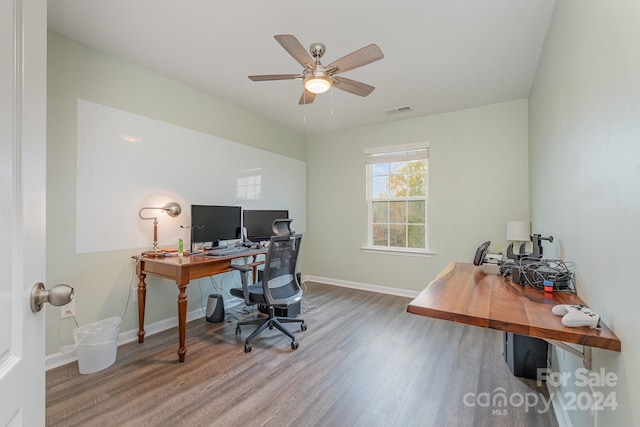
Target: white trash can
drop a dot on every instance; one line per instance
(97, 344)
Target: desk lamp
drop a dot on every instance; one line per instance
(518, 231)
(172, 209)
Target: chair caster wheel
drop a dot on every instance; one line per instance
(303, 326)
(238, 330)
(247, 348)
(294, 345)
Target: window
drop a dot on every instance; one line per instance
(249, 186)
(397, 197)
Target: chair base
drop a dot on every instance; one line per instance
(270, 322)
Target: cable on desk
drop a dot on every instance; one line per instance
(534, 272)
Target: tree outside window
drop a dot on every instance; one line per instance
(397, 199)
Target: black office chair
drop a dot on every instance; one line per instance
(279, 288)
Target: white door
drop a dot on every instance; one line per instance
(23, 60)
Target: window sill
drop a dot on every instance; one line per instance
(399, 251)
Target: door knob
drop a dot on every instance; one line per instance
(58, 295)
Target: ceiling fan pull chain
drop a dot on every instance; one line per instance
(331, 100)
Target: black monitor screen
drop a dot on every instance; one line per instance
(259, 223)
(215, 223)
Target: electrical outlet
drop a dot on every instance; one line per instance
(68, 310)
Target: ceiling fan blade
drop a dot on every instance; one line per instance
(352, 86)
(265, 77)
(358, 58)
(307, 97)
(292, 45)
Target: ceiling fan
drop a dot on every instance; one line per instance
(319, 78)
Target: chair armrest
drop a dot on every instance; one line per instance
(242, 268)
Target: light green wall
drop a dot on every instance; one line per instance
(584, 121)
(478, 180)
(581, 171)
(101, 280)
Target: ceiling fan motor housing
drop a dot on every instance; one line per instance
(318, 72)
(317, 50)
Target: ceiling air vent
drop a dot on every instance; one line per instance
(404, 109)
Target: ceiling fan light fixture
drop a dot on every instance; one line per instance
(318, 78)
(317, 84)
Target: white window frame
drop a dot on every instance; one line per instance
(386, 154)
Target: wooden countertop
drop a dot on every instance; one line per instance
(480, 296)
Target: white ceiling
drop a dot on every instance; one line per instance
(440, 55)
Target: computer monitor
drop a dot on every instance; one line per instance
(258, 223)
(215, 223)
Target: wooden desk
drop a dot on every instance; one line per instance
(182, 270)
(480, 296)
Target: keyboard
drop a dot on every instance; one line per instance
(232, 250)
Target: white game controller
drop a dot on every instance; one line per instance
(576, 315)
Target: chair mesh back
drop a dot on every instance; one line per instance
(279, 282)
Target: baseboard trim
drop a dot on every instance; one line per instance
(557, 401)
(64, 357)
(361, 286)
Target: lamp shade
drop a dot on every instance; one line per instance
(172, 209)
(518, 231)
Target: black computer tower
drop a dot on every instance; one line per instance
(292, 311)
(525, 355)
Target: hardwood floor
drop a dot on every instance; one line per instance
(364, 361)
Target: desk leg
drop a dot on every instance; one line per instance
(142, 296)
(255, 270)
(182, 320)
